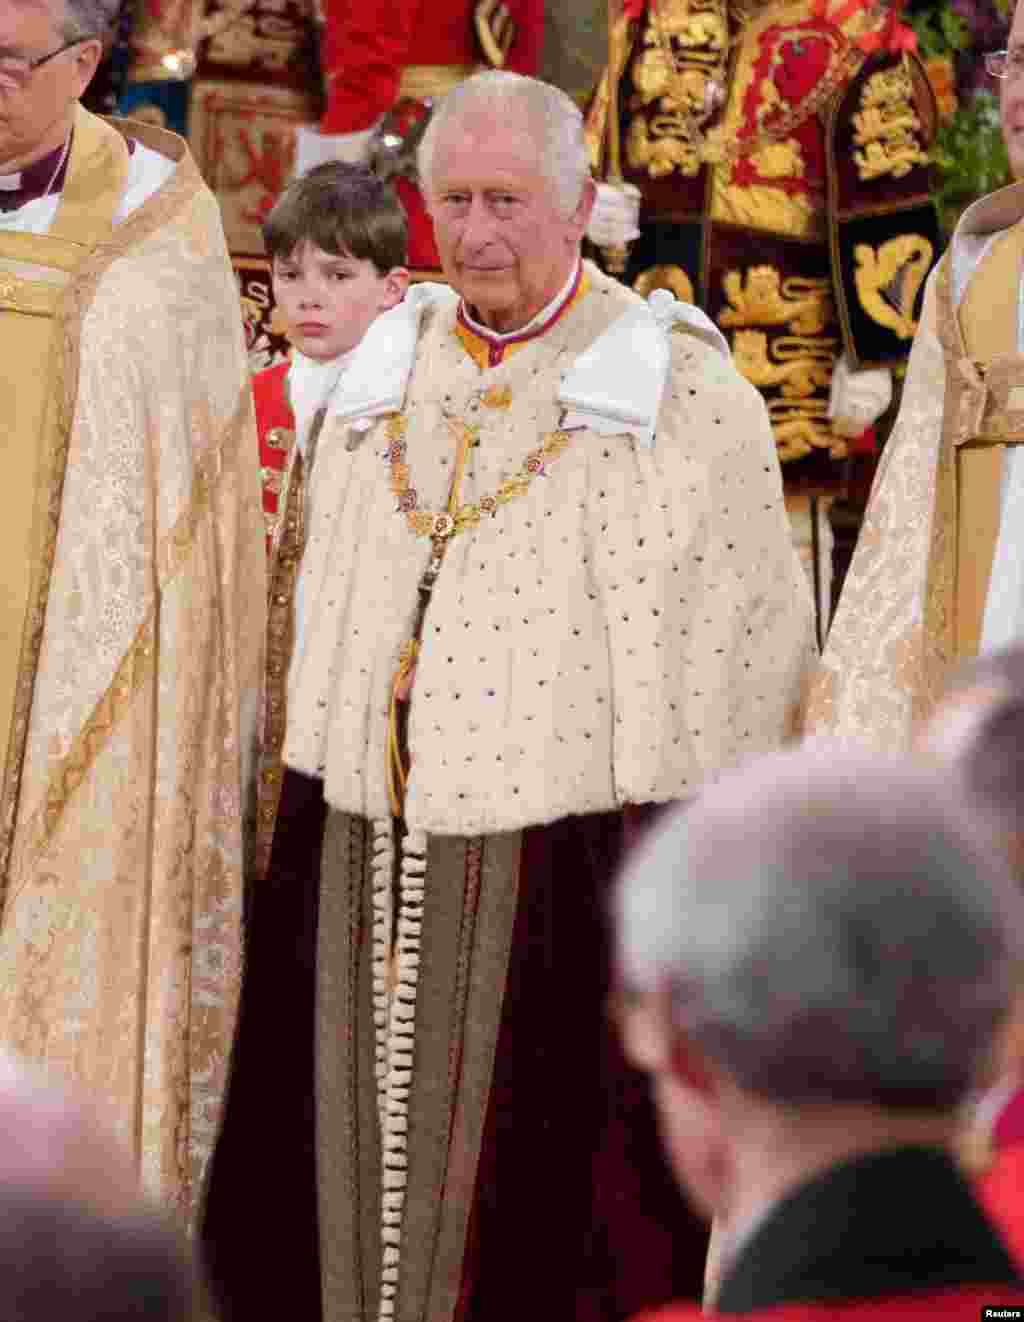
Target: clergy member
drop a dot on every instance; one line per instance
(132, 602)
(547, 576)
(938, 574)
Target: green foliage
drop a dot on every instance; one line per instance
(970, 155)
(940, 31)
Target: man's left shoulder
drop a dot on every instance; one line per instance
(696, 345)
(704, 382)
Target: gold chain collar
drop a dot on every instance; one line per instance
(458, 517)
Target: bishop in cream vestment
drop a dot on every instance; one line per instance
(938, 574)
(132, 603)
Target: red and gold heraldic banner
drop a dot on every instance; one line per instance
(774, 143)
(249, 94)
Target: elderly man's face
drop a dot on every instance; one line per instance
(503, 241)
(35, 108)
(1011, 97)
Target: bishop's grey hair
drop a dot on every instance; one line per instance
(87, 18)
(550, 114)
(827, 929)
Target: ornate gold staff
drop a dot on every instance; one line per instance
(618, 36)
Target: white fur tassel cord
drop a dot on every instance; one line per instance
(395, 1026)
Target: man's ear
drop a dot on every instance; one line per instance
(87, 58)
(653, 1043)
(644, 1031)
(393, 287)
(580, 218)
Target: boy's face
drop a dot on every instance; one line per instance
(328, 302)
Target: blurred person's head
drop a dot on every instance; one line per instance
(58, 1141)
(977, 733)
(337, 241)
(71, 1262)
(977, 729)
(813, 957)
(79, 1242)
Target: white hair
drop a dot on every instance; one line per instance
(86, 18)
(827, 928)
(553, 119)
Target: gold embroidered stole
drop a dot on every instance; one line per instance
(988, 321)
(36, 272)
(282, 579)
(282, 583)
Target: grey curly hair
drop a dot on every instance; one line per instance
(78, 19)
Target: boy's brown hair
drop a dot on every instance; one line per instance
(345, 210)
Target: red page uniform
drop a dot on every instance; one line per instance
(275, 424)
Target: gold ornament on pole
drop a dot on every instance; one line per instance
(616, 257)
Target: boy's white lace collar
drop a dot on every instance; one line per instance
(310, 384)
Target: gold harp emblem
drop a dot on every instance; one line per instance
(889, 278)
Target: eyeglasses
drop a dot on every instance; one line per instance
(1005, 63)
(16, 70)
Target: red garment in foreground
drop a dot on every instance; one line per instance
(1001, 1192)
(965, 1304)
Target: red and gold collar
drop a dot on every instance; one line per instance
(488, 351)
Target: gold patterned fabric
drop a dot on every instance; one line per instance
(915, 594)
(741, 123)
(137, 671)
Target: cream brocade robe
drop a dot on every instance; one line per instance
(133, 605)
(915, 595)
